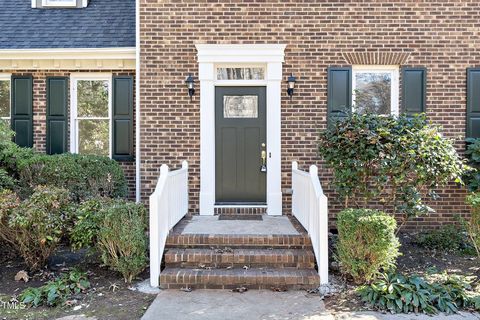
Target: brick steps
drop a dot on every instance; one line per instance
(239, 257)
(253, 278)
(238, 241)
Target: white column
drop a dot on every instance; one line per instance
(274, 173)
(207, 138)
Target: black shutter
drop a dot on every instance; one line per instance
(414, 94)
(22, 110)
(57, 114)
(339, 95)
(473, 103)
(122, 118)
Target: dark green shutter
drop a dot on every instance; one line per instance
(414, 93)
(339, 93)
(473, 103)
(57, 114)
(122, 119)
(22, 110)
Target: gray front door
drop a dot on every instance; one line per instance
(240, 138)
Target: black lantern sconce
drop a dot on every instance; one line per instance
(291, 85)
(190, 83)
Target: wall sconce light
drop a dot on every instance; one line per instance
(190, 83)
(291, 85)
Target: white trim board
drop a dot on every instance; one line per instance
(71, 58)
(211, 55)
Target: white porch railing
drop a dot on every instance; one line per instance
(168, 205)
(310, 207)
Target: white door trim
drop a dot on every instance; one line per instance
(272, 57)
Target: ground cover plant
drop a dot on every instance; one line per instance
(398, 293)
(397, 161)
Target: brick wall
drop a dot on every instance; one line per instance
(443, 36)
(40, 113)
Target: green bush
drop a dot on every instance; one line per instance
(473, 224)
(447, 238)
(366, 243)
(88, 218)
(34, 227)
(6, 181)
(472, 176)
(85, 176)
(397, 293)
(122, 241)
(397, 160)
(56, 292)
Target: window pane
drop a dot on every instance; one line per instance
(93, 137)
(4, 98)
(373, 92)
(240, 106)
(241, 73)
(92, 98)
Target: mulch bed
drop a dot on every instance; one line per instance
(414, 260)
(108, 298)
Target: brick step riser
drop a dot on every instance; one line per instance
(238, 285)
(300, 259)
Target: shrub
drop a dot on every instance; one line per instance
(397, 160)
(88, 219)
(56, 292)
(472, 176)
(447, 238)
(366, 243)
(85, 176)
(8, 202)
(6, 181)
(36, 225)
(473, 225)
(122, 241)
(397, 293)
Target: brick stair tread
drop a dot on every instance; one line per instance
(240, 256)
(229, 278)
(236, 241)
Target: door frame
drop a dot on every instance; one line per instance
(271, 56)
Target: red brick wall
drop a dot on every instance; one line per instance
(442, 35)
(40, 115)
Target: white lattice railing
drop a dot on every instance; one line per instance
(168, 205)
(310, 207)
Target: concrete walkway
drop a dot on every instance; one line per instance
(260, 305)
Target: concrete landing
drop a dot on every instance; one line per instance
(268, 226)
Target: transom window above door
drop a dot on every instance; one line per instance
(91, 115)
(375, 89)
(240, 73)
(5, 109)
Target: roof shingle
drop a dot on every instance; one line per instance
(103, 24)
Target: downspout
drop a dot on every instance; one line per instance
(137, 103)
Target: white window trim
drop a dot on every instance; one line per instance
(211, 56)
(74, 78)
(393, 70)
(46, 3)
(7, 77)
